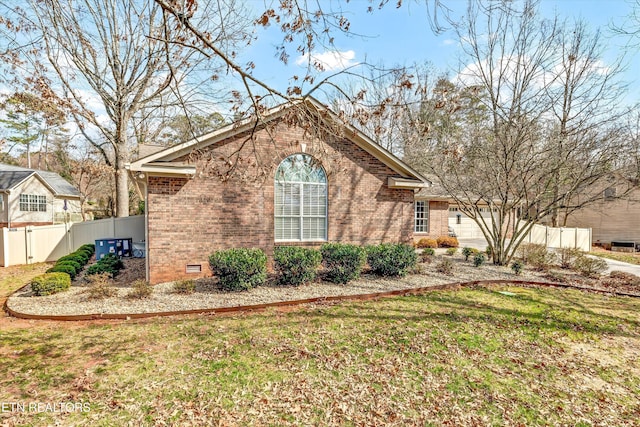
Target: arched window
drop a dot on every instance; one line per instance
(300, 199)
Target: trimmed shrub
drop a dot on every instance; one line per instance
(445, 267)
(140, 289)
(100, 286)
(100, 269)
(626, 278)
(391, 259)
(590, 267)
(187, 286)
(89, 247)
(452, 251)
(447, 242)
(295, 265)
(517, 266)
(110, 263)
(63, 268)
(536, 255)
(426, 243)
(568, 256)
(428, 252)
(239, 269)
(50, 283)
(73, 264)
(343, 262)
(467, 252)
(74, 257)
(479, 259)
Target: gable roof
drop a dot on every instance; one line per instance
(162, 162)
(12, 176)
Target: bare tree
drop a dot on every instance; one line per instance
(510, 158)
(109, 61)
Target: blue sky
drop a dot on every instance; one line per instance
(403, 36)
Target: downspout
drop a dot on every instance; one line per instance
(142, 180)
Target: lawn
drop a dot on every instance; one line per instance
(618, 256)
(481, 356)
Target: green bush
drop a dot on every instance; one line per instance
(187, 286)
(428, 252)
(479, 259)
(90, 247)
(81, 260)
(110, 264)
(467, 252)
(295, 265)
(445, 267)
(568, 256)
(451, 251)
(112, 260)
(590, 267)
(63, 268)
(101, 268)
(50, 283)
(140, 289)
(517, 266)
(391, 259)
(74, 264)
(239, 269)
(343, 262)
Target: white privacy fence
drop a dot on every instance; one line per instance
(563, 237)
(28, 245)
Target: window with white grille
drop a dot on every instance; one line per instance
(33, 203)
(421, 216)
(300, 200)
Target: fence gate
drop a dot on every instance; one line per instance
(32, 244)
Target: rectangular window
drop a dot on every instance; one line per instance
(33, 203)
(422, 216)
(300, 211)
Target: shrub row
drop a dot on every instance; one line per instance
(110, 264)
(243, 269)
(74, 262)
(440, 242)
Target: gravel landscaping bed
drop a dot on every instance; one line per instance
(208, 296)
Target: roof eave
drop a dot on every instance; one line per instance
(163, 170)
(405, 183)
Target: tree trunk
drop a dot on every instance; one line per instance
(122, 188)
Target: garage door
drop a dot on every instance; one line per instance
(465, 227)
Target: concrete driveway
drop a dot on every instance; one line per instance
(480, 244)
(620, 266)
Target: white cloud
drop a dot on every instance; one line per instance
(329, 60)
(448, 42)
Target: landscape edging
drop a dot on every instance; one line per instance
(258, 307)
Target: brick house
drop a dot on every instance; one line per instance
(35, 197)
(302, 176)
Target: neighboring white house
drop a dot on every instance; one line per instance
(35, 197)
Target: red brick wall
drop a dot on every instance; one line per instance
(438, 221)
(191, 218)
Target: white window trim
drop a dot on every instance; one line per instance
(425, 219)
(301, 216)
(36, 200)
